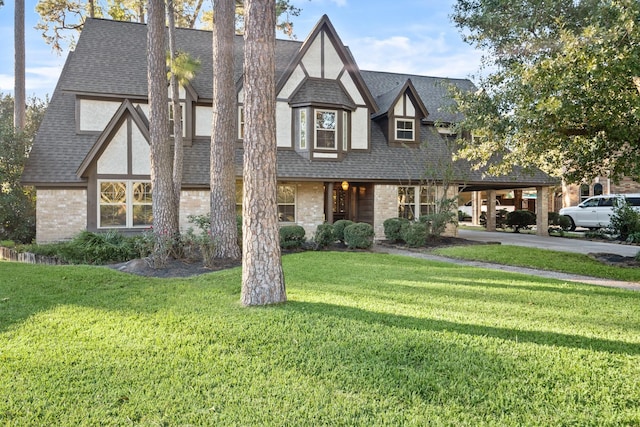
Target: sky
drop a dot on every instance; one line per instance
(403, 36)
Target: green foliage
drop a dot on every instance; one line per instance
(634, 237)
(359, 235)
(625, 220)
(559, 221)
(410, 342)
(560, 93)
(338, 228)
(520, 219)
(415, 234)
(291, 236)
(17, 202)
(437, 222)
(501, 218)
(394, 228)
(324, 235)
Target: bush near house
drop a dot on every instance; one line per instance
(625, 221)
(394, 229)
(291, 236)
(338, 228)
(415, 234)
(324, 236)
(359, 236)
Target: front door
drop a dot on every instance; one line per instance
(353, 202)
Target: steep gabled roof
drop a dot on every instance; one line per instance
(126, 110)
(389, 99)
(320, 92)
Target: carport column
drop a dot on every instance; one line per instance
(491, 210)
(542, 211)
(476, 207)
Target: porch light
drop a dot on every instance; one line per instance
(345, 185)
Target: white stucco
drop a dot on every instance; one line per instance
(360, 129)
(411, 110)
(95, 115)
(203, 116)
(352, 89)
(283, 128)
(113, 159)
(332, 62)
(312, 60)
(292, 83)
(140, 149)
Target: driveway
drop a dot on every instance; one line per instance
(577, 245)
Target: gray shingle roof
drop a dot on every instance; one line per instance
(110, 59)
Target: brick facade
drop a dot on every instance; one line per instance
(61, 214)
(571, 192)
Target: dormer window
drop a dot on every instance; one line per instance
(326, 129)
(405, 130)
(241, 122)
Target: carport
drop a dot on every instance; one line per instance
(542, 201)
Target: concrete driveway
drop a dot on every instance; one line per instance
(577, 245)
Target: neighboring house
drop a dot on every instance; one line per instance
(572, 194)
(351, 144)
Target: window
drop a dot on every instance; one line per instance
(584, 192)
(411, 207)
(404, 130)
(171, 119)
(325, 126)
(597, 189)
(124, 204)
(286, 203)
(303, 129)
(241, 122)
(345, 131)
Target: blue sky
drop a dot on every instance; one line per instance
(404, 36)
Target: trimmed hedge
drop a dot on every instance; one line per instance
(416, 234)
(291, 236)
(324, 235)
(359, 235)
(338, 228)
(520, 219)
(394, 228)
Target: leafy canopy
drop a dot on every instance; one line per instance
(559, 91)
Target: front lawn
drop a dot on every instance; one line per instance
(365, 339)
(543, 259)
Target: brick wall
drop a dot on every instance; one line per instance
(193, 202)
(309, 206)
(61, 214)
(571, 192)
(385, 206)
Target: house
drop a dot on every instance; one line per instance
(351, 144)
(572, 194)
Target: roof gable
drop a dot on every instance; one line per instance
(388, 100)
(127, 109)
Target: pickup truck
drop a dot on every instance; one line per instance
(466, 208)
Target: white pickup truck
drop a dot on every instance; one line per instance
(466, 208)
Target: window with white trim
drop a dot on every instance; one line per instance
(404, 130)
(303, 129)
(325, 128)
(182, 117)
(240, 122)
(412, 207)
(286, 203)
(124, 204)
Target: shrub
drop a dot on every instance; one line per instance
(92, 248)
(394, 228)
(415, 234)
(625, 220)
(359, 235)
(437, 222)
(291, 236)
(634, 237)
(501, 219)
(559, 221)
(520, 219)
(338, 228)
(324, 235)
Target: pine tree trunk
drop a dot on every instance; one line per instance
(165, 219)
(262, 275)
(222, 178)
(178, 141)
(20, 99)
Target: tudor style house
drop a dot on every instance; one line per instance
(351, 144)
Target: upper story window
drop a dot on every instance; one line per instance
(240, 122)
(404, 130)
(172, 119)
(302, 136)
(325, 128)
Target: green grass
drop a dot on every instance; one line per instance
(365, 339)
(541, 259)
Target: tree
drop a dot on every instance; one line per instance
(222, 172)
(262, 274)
(62, 20)
(559, 94)
(20, 105)
(165, 217)
(17, 203)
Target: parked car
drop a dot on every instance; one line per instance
(596, 211)
(466, 208)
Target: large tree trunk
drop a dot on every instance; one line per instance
(20, 99)
(223, 202)
(165, 218)
(178, 141)
(262, 275)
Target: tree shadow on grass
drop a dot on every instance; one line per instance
(535, 337)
